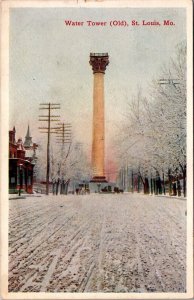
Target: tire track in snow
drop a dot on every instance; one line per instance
(74, 243)
(32, 248)
(40, 228)
(100, 255)
(50, 271)
(85, 283)
(54, 262)
(74, 269)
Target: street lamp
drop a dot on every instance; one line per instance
(21, 179)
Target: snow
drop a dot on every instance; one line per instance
(151, 140)
(97, 243)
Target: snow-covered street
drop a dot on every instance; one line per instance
(97, 243)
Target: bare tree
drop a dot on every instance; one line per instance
(153, 137)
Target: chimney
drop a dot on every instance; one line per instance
(12, 135)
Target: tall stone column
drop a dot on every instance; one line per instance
(98, 61)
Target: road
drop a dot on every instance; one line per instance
(97, 243)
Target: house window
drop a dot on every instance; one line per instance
(12, 179)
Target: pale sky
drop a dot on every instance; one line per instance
(50, 62)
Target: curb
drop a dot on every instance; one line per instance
(24, 196)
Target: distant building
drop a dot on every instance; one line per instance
(30, 148)
(22, 159)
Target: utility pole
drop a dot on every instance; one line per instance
(169, 81)
(63, 137)
(48, 118)
(64, 133)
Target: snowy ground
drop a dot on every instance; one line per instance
(97, 243)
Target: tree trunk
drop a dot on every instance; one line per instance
(184, 182)
(184, 171)
(138, 183)
(170, 182)
(151, 183)
(146, 186)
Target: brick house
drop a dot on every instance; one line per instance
(20, 166)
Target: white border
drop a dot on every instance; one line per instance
(4, 128)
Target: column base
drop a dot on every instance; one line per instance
(98, 179)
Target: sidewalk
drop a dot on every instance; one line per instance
(159, 195)
(23, 196)
(171, 197)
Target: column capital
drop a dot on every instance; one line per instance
(99, 61)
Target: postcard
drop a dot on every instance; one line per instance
(96, 149)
